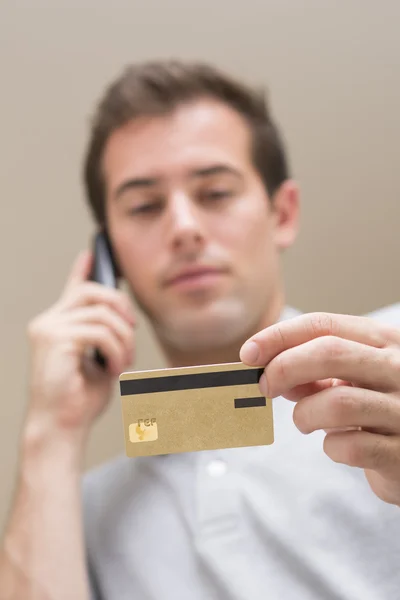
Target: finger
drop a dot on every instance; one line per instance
(102, 314)
(341, 406)
(80, 270)
(264, 346)
(101, 337)
(329, 357)
(364, 450)
(309, 389)
(90, 293)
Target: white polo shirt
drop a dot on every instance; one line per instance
(280, 522)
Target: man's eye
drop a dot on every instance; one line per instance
(217, 194)
(146, 208)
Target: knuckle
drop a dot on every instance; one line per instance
(39, 329)
(390, 336)
(108, 338)
(87, 289)
(103, 332)
(281, 370)
(322, 323)
(369, 406)
(103, 312)
(341, 405)
(73, 297)
(331, 349)
(392, 358)
(279, 335)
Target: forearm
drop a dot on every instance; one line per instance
(42, 555)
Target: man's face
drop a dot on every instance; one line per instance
(195, 233)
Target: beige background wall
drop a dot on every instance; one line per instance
(333, 70)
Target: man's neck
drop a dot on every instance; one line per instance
(224, 354)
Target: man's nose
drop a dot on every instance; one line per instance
(185, 226)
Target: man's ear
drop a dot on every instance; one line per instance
(286, 213)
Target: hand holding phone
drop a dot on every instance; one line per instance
(64, 384)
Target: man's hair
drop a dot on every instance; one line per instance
(157, 88)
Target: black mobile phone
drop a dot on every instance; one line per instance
(104, 271)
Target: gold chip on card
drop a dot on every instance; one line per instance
(145, 430)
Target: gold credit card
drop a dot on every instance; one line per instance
(186, 409)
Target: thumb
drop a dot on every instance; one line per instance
(80, 271)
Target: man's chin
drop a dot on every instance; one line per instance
(214, 328)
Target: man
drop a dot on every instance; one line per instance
(187, 173)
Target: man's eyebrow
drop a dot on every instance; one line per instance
(136, 183)
(216, 170)
(148, 182)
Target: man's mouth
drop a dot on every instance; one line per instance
(195, 277)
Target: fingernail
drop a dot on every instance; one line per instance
(249, 353)
(263, 385)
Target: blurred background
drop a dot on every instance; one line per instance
(332, 70)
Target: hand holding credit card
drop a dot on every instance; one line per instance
(189, 409)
